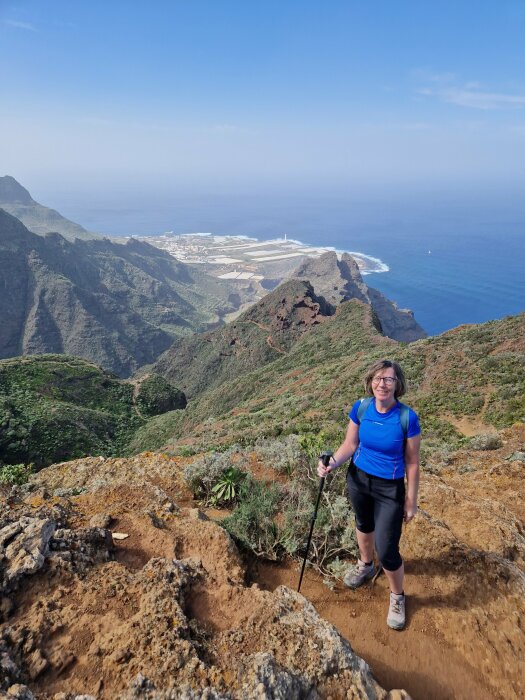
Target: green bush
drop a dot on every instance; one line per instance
(252, 523)
(205, 472)
(273, 519)
(156, 396)
(15, 474)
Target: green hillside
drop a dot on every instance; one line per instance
(118, 305)
(54, 408)
(467, 381)
(473, 374)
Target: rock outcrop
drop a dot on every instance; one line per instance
(91, 618)
(113, 586)
(340, 280)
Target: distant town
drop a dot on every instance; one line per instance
(243, 258)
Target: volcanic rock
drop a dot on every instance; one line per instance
(338, 280)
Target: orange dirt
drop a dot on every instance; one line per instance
(419, 659)
(465, 562)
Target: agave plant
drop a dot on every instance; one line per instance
(227, 488)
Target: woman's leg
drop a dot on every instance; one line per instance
(365, 540)
(388, 511)
(389, 500)
(396, 579)
(358, 492)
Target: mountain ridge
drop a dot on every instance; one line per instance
(257, 337)
(311, 388)
(16, 200)
(119, 305)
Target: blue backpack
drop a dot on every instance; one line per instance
(403, 411)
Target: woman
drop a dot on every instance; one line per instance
(383, 439)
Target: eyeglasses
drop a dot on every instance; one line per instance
(387, 380)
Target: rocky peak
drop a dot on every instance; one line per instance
(293, 303)
(333, 279)
(337, 280)
(12, 192)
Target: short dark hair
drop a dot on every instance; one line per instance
(401, 383)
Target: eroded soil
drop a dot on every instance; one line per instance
(465, 563)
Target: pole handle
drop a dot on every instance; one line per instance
(326, 456)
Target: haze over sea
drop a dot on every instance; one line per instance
(452, 258)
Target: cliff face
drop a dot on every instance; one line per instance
(340, 280)
(117, 305)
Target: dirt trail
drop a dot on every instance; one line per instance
(269, 339)
(465, 563)
(417, 659)
(136, 389)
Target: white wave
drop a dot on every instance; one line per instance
(381, 266)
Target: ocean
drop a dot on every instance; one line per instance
(451, 259)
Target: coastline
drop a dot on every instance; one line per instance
(242, 250)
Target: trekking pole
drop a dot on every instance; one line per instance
(325, 457)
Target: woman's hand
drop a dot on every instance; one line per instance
(323, 471)
(410, 510)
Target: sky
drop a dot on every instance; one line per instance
(227, 94)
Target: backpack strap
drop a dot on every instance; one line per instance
(404, 417)
(365, 403)
(404, 414)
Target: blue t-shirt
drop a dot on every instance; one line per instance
(381, 449)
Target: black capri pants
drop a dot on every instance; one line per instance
(379, 506)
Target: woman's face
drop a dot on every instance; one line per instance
(384, 384)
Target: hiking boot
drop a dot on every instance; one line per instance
(396, 612)
(359, 574)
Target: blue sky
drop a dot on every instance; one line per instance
(246, 93)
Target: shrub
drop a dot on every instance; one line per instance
(252, 523)
(435, 456)
(284, 455)
(466, 469)
(333, 535)
(15, 474)
(274, 520)
(486, 441)
(205, 472)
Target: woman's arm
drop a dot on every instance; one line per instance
(412, 472)
(344, 452)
